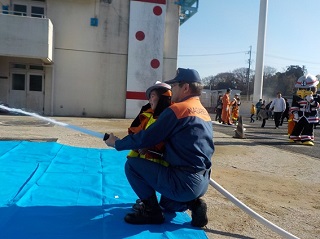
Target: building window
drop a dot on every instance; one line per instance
(37, 12)
(24, 75)
(36, 67)
(18, 81)
(20, 10)
(29, 8)
(19, 66)
(35, 83)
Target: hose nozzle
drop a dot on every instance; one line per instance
(106, 136)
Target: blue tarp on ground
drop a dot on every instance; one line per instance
(50, 190)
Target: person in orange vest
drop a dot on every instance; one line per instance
(235, 104)
(159, 96)
(225, 116)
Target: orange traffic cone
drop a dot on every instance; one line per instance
(291, 124)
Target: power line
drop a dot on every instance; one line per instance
(214, 54)
(241, 52)
(290, 59)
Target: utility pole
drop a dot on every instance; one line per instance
(248, 75)
(304, 69)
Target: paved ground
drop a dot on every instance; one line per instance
(272, 137)
(280, 184)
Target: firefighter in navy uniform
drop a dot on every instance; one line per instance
(186, 129)
(305, 104)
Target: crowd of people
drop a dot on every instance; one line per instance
(227, 110)
(302, 116)
(277, 109)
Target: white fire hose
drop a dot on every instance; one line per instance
(252, 213)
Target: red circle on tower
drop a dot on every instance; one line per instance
(157, 10)
(140, 35)
(155, 63)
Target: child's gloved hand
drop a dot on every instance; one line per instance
(111, 140)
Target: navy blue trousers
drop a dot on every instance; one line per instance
(176, 186)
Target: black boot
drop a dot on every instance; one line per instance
(138, 205)
(198, 209)
(150, 213)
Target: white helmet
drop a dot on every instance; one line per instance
(307, 81)
(159, 85)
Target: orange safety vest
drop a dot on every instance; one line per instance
(155, 153)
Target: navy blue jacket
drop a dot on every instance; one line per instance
(186, 130)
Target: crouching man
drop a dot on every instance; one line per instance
(186, 129)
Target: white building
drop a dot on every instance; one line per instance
(86, 57)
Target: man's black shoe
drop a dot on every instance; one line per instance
(144, 217)
(138, 205)
(198, 209)
(149, 212)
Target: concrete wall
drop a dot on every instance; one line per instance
(26, 37)
(90, 62)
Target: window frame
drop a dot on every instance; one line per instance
(27, 70)
(29, 4)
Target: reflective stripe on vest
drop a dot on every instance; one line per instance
(134, 154)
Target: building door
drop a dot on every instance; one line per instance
(17, 98)
(27, 89)
(35, 92)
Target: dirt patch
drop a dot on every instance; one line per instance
(26, 123)
(278, 185)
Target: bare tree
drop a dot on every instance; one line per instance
(273, 81)
(241, 74)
